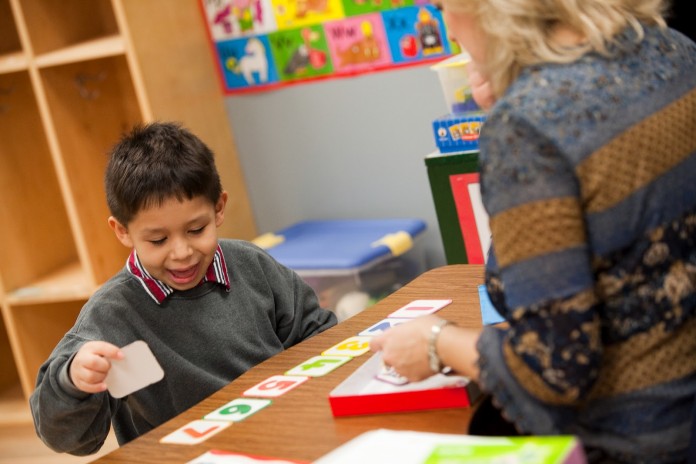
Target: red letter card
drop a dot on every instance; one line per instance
(195, 432)
(275, 386)
(419, 308)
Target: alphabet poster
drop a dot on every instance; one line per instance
(265, 44)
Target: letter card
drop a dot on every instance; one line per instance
(195, 432)
(382, 326)
(419, 308)
(237, 410)
(353, 347)
(228, 457)
(275, 386)
(319, 365)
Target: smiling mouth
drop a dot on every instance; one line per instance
(184, 275)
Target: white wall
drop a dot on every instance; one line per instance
(341, 148)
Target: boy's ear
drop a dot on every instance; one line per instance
(121, 232)
(220, 209)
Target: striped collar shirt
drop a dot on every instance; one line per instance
(159, 291)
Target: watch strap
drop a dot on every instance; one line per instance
(433, 358)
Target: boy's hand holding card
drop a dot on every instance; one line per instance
(136, 370)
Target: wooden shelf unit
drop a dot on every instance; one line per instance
(74, 75)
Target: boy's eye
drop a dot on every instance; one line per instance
(197, 231)
(158, 242)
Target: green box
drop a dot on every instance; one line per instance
(440, 168)
(560, 449)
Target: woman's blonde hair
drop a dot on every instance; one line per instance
(520, 32)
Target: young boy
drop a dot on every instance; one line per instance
(209, 309)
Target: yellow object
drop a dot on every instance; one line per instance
(366, 27)
(268, 240)
(398, 242)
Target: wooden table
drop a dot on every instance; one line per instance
(299, 424)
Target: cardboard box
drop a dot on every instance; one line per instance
(362, 393)
(458, 132)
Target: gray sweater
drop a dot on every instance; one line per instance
(203, 338)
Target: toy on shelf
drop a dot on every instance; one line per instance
(457, 131)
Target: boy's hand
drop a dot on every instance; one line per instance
(91, 364)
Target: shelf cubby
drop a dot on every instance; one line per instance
(69, 282)
(74, 76)
(50, 319)
(35, 235)
(56, 25)
(9, 378)
(9, 38)
(90, 50)
(91, 104)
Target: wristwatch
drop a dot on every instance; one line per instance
(433, 358)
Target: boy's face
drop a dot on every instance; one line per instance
(176, 241)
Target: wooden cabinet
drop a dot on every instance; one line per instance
(74, 75)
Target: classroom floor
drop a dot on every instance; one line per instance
(20, 445)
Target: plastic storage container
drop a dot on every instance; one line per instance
(455, 84)
(459, 129)
(350, 263)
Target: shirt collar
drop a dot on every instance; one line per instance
(159, 291)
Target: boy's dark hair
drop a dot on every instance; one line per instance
(155, 162)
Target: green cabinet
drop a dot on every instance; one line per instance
(443, 171)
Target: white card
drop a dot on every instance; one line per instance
(275, 386)
(216, 456)
(318, 366)
(195, 432)
(389, 375)
(418, 308)
(237, 410)
(353, 347)
(382, 326)
(136, 370)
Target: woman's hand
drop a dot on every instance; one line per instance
(405, 348)
(481, 89)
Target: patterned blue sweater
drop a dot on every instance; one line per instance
(588, 174)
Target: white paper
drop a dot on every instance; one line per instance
(481, 219)
(382, 446)
(135, 371)
(364, 381)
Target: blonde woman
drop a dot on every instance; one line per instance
(588, 161)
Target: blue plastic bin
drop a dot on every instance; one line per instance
(350, 263)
